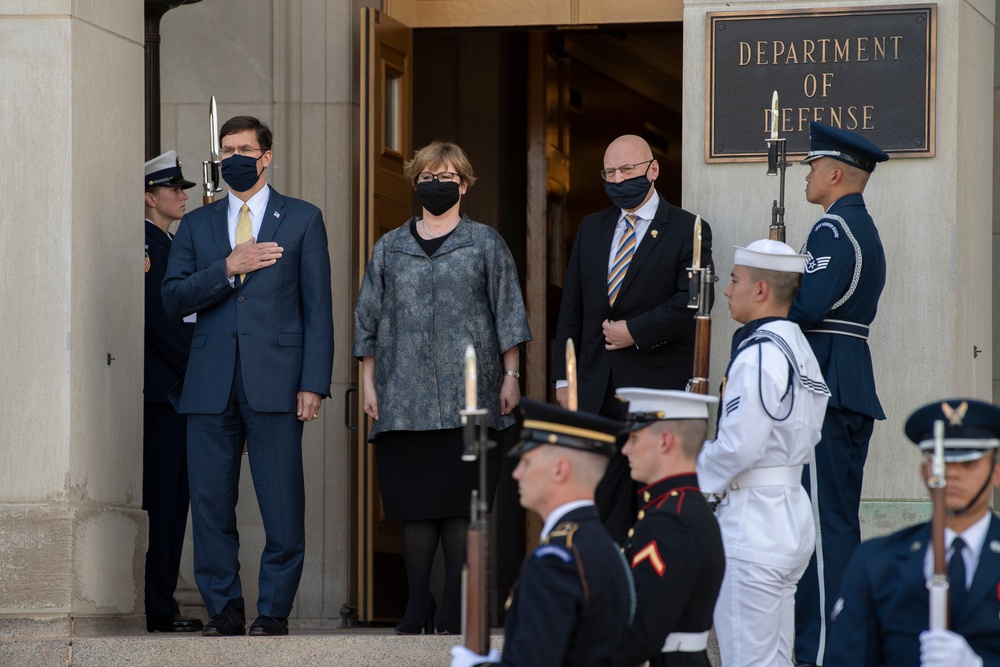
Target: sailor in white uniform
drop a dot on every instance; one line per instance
(770, 417)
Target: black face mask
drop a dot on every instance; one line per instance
(629, 193)
(240, 172)
(438, 197)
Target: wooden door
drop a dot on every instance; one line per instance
(386, 121)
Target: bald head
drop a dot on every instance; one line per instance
(628, 148)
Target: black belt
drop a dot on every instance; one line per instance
(842, 328)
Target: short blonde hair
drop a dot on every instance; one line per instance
(438, 154)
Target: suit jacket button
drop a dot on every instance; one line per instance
(240, 299)
(233, 334)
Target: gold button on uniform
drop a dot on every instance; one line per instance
(631, 532)
(645, 496)
(642, 514)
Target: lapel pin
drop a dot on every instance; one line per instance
(654, 233)
(995, 546)
(915, 546)
(277, 215)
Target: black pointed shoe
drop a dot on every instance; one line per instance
(228, 622)
(172, 623)
(264, 626)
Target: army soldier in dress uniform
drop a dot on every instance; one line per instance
(845, 273)
(881, 617)
(165, 494)
(574, 597)
(675, 548)
(771, 414)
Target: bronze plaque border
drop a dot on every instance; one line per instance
(930, 78)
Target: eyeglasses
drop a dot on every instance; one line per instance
(627, 170)
(440, 177)
(229, 151)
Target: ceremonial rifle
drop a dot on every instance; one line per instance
(210, 168)
(938, 585)
(777, 162)
(700, 287)
(476, 574)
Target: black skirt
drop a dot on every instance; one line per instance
(422, 476)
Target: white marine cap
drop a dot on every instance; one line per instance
(649, 405)
(770, 255)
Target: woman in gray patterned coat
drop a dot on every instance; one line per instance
(433, 286)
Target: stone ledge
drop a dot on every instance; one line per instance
(348, 648)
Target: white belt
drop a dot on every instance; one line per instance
(685, 642)
(776, 476)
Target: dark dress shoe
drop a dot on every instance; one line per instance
(228, 622)
(172, 623)
(265, 626)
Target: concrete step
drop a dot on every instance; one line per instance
(355, 647)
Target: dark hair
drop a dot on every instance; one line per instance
(238, 124)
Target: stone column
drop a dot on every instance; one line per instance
(72, 534)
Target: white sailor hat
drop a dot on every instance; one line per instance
(971, 428)
(165, 170)
(649, 405)
(770, 255)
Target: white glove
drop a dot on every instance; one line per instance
(943, 648)
(464, 657)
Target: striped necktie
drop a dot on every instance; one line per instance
(244, 230)
(626, 248)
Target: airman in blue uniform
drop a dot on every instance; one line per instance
(574, 597)
(881, 617)
(845, 274)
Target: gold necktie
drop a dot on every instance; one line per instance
(244, 230)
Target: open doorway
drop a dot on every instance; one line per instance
(507, 96)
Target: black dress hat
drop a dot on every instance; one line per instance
(848, 147)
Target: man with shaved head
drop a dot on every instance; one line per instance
(624, 304)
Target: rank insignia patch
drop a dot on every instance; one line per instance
(814, 264)
(651, 553)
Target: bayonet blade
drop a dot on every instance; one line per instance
(696, 260)
(775, 111)
(213, 128)
(571, 390)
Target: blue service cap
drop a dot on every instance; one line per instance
(971, 428)
(165, 170)
(546, 424)
(848, 147)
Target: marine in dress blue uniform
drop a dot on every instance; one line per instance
(675, 548)
(574, 597)
(167, 342)
(845, 274)
(881, 616)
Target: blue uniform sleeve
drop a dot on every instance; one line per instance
(829, 272)
(170, 335)
(854, 639)
(550, 597)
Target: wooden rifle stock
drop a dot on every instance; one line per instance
(477, 584)
(702, 351)
(703, 333)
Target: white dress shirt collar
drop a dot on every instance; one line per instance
(556, 515)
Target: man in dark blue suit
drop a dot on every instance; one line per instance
(164, 432)
(845, 274)
(255, 268)
(574, 597)
(625, 304)
(882, 615)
